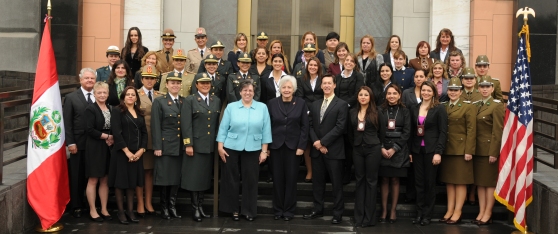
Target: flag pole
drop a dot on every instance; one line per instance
(525, 29)
(57, 226)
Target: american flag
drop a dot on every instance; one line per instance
(515, 179)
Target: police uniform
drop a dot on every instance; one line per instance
(497, 93)
(224, 67)
(490, 121)
(103, 73)
(300, 68)
(470, 97)
(218, 82)
(234, 80)
(186, 86)
(460, 140)
(166, 134)
(261, 36)
(166, 66)
(145, 106)
(193, 63)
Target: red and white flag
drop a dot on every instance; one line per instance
(515, 179)
(47, 170)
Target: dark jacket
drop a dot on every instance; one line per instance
(304, 90)
(289, 127)
(134, 63)
(397, 138)
(356, 81)
(435, 130)
(74, 118)
(371, 133)
(436, 55)
(126, 131)
(331, 129)
(298, 56)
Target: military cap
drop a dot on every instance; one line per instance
(217, 44)
(211, 59)
(244, 57)
(468, 72)
(202, 77)
(309, 47)
(174, 76)
(455, 83)
(179, 54)
(486, 81)
(200, 32)
(482, 60)
(262, 36)
(113, 50)
(168, 34)
(149, 71)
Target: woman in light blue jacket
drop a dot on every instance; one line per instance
(244, 134)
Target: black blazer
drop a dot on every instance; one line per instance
(128, 132)
(330, 131)
(356, 80)
(409, 98)
(265, 73)
(134, 63)
(268, 89)
(114, 97)
(436, 55)
(304, 90)
(288, 127)
(435, 130)
(95, 121)
(74, 118)
(298, 56)
(232, 57)
(371, 133)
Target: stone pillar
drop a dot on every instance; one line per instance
(491, 34)
(147, 16)
(102, 24)
(411, 22)
(182, 16)
(347, 23)
(373, 18)
(454, 15)
(219, 18)
(244, 16)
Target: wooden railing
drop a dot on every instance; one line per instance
(22, 98)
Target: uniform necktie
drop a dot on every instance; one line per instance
(176, 101)
(89, 98)
(167, 52)
(206, 100)
(201, 52)
(468, 94)
(451, 106)
(149, 96)
(323, 109)
(212, 78)
(244, 76)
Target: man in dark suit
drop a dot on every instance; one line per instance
(328, 118)
(113, 54)
(74, 124)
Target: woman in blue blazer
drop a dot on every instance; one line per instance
(244, 133)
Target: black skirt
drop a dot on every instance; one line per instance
(124, 174)
(97, 157)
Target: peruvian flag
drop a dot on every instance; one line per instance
(47, 170)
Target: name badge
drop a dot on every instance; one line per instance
(360, 126)
(391, 124)
(420, 130)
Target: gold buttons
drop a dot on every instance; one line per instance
(178, 115)
(178, 135)
(208, 133)
(208, 118)
(178, 121)
(208, 125)
(209, 112)
(178, 128)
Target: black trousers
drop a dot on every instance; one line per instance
(320, 166)
(367, 165)
(230, 182)
(425, 182)
(78, 180)
(348, 163)
(411, 193)
(285, 166)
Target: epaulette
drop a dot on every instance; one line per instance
(475, 102)
(495, 79)
(165, 73)
(468, 102)
(158, 51)
(496, 100)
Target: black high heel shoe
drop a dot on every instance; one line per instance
(130, 215)
(105, 217)
(122, 217)
(480, 222)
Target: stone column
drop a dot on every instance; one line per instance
(182, 16)
(347, 23)
(147, 16)
(411, 22)
(373, 18)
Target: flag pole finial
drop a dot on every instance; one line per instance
(49, 8)
(522, 11)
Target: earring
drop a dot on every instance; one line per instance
(135, 103)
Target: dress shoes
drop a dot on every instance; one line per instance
(98, 219)
(443, 220)
(287, 218)
(122, 217)
(313, 215)
(131, 217)
(76, 213)
(336, 220)
(382, 220)
(277, 217)
(454, 221)
(235, 216)
(105, 217)
(392, 221)
(269, 180)
(249, 218)
(481, 223)
(308, 180)
(425, 222)
(475, 221)
(417, 220)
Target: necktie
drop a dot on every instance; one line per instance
(180, 74)
(424, 63)
(176, 101)
(206, 100)
(212, 78)
(451, 106)
(323, 109)
(149, 96)
(89, 98)
(468, 94)
(167, 52)
(244, 76)
(201, 52)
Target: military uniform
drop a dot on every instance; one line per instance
(218, 85)
(471, 97)
(460, 141)
(490, 123)
(145, 106)
(103, 73)
(162, 60)
(233, 86)
(199, 129)
(186, 88)
(225, 68)
(497, 94)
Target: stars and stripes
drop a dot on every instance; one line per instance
(514, 188)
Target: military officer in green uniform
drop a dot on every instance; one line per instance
(261, 42)
(179, 63)
(234, 80)
(200, 115)
(164, 56)
(490, 121)
(167, 142)
(482, 65)
(218, 81)
(225, 67)
(470, 92)
(113, 55)
(456, 168)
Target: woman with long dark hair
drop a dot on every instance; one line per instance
(120, 77)
(386, 78)
(445, 44)
(393, 45)
(365, 130)
(340, 54)
(423, 60)
(308, 38)
(133, 50)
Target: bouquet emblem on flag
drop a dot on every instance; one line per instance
(45, 127)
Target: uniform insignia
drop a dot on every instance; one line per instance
(308, 45)
(211, 99)
(204, 75)
(167, 34)
(199, 99)
(200, 31)
(262, 34)
(219, 43)
(245, 55)
(469, 102)
(175, 73)
(170, 103)
(179, 52)
(186, 141)
(495, 100)
(458, 104)
(223, 64)
(149, 69)
(299, 73)
(236, 81)
(495, 78)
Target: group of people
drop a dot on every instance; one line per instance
(141, 121)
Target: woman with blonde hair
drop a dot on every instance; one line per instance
(368, 60)
(150, 58)
(276, 47)
(439, 76)
(240, 46)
